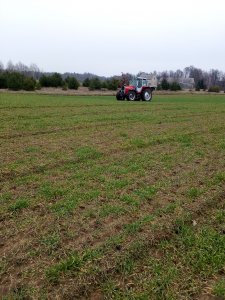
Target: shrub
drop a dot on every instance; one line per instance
(214, 88)
(54, 80)
(95, 84)
(159, 87)
(165, 84)
(200, 85)
(15, 81)
(175, 86)
(29, 84)
(86, 82)
(44, 81)
(73, 83)
(104, 85)
(3, 81)
(38, 85)
(112, 84)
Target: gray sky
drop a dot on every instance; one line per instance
(110, 37)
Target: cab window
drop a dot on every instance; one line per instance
(139, 83)
(144, 83)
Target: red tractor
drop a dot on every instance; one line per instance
(138, 89)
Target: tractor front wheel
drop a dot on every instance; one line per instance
(119, 96)
(146, 95)
(131, 96)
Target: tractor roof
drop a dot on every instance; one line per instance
(139, 77)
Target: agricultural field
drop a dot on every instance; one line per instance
(105, 199)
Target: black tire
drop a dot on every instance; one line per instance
(119, 96)
(146, 95)
(131, 96)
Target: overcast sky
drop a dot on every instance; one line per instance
(110, 37)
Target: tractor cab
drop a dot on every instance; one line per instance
(138, 83)
(141, 82)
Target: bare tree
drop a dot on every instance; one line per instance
(22, 68)
(34, 71)
(125, 79)
(165, 74)
(178, 74)
(214, 76)
(223, 82)
(10, 66)
(1, 66)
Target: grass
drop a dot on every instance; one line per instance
(51, 241)
(18, 205)
(219, 288)
(73, 262)
(112, 200)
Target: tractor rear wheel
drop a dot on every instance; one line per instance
(146, 95)
(131, 96)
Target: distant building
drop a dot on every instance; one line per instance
(151, 78)
(185, 83)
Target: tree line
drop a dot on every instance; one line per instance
(19, 76)
(14, 80)
(17, 81)
(205, 80)
(165, 85)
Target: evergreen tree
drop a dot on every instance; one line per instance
(73, 83)
(15, 81)
(29, 84)
(165, 84)
(86, 82)
(95, 84)
(174, 86)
